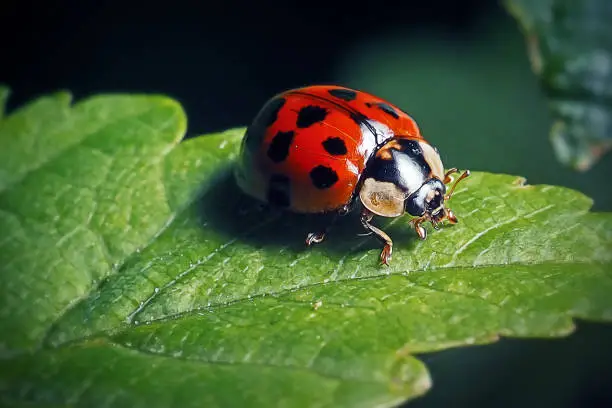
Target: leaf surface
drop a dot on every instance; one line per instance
(135, 273)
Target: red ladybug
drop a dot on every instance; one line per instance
(322, 149)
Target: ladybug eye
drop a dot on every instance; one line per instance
(382, 198)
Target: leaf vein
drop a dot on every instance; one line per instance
(243, 363)
(482, 233)
(179, 277)
(283, 292)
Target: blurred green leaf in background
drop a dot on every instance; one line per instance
(475, 96)
(570, 48)
(134, 273)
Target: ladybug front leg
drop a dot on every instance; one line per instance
(416, 223)
(385, 255)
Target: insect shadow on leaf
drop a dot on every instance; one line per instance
(224, 208)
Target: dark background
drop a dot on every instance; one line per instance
(221, 59)
(460, 68)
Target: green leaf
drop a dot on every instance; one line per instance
(134, 272)
(570, 47)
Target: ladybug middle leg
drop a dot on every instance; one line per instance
(319, 236)
(385, 254)
(315, 237)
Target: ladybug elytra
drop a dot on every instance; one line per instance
(323, 148)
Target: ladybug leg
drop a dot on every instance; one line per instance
(319, 236)
(450, 216)
(385, 255)
(447, 175)
(416, 223)
(315, 237)
(452, 190)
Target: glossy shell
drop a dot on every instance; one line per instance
(307, 148)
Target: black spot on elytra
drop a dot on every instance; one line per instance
(388, 110)
(311, 114)
(323, 177)
(344, 94)
(279, 190)
(264, 119)
(279, 147)
(385, 108)
(335, 146)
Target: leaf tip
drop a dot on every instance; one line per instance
(177, 107)
(423, 384)
(174, 105)
(409, 374)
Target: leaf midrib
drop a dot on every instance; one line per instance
(277, 297)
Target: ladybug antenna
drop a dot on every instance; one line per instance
(452, 190)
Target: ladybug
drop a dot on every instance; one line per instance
(327, 149)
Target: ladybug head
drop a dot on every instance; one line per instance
(406, 176)
(428, 202)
